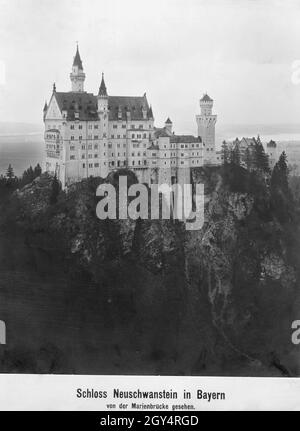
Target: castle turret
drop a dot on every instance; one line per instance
(206, 122)
(77, 75)
(168, 126)
(102, 97)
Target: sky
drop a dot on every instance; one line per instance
(244, 53)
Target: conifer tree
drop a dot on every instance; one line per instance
(10, 172)
(225, 153)
(55, 189)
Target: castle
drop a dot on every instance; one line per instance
(92, 135)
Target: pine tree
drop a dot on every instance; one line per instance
(235, 156)
(55, 189)
(37, 171)
(260, 158)
(248, 158)
(10, 172)
(280, 193)
(225, 153)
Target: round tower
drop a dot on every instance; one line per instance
(206, 123)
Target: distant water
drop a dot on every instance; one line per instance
(21, 151)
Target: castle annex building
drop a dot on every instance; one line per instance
(91, 135)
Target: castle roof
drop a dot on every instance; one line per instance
(83, 103)
(206, 98)
(77, 60)
(271, 144)
(153, 147)
(160, 132)
(122, 104)
(102, 89)
(86, 105)
(185, 139)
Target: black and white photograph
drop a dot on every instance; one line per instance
(150, 188)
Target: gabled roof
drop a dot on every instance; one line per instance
(153, 147)
(206, 98)
(83, 103)
(185, 139)
(123, 104)
(160, 132)
(168, 121)
(77, 60)
(87, 106)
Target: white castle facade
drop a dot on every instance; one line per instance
(92, 135)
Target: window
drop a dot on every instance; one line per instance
(83, 156)
(96, 165)
(133, 126)
(138, 136)
(80, 126)
(123, 126)
(83, 165)
(90, 146)
(72, 127)
(72, 138)
(96, 137)
(104, 135)
(90, 126)
(83, 147)
(141, 126)
(90, 165)
(133, 135)
(118, 136)
(96, 126)
(112, 136)
(145, 135)
(124, 136)
(96, 147)
(80, 138)
(115, 126)
(72, 157)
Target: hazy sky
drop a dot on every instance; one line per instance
(240, 52)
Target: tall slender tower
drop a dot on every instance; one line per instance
(102, 102)
(206, 122)
(77, 75)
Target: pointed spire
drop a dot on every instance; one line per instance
(168, 121)
(77, 60)
(150, 113)
(102, 89)
(45, 106)
(54, 87)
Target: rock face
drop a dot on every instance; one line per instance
(148, 296)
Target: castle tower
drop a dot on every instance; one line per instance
(77, 75)
(206, 122)
(102, 107)
(168, 126)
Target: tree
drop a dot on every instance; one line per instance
(55, 189)
(248, 158)
(235, 155)
(260, 158)
(10, 172)
(37, 171)
(281, 195)
(225, 153)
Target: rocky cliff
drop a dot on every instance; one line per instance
(124, 296)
